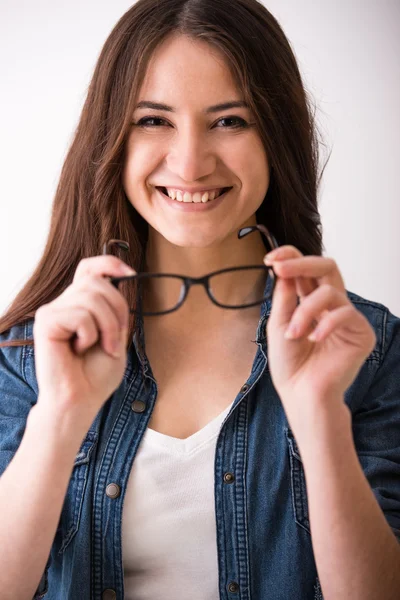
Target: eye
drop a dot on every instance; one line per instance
(240, 123)
(145, 122)
(154, 121)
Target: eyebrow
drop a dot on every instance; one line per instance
(210, 109)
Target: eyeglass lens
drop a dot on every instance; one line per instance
(231, 289)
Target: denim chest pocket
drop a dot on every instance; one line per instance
(298, 484)
(73, 502)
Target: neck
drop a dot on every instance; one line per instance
(165, 257)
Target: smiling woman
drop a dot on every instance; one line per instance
(216, 445)
(237, 115)
(199, 136)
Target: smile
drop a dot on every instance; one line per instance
(197, 197)
(193, 205)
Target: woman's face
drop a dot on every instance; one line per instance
(191, 148)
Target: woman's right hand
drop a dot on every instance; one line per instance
(76, 375)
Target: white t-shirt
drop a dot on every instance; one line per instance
(169, 548)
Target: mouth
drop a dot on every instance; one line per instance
(164, 191)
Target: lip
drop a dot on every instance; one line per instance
(193, 190)
(193, 206)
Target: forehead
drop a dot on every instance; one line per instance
(188, 70)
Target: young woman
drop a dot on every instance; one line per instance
(164, 434)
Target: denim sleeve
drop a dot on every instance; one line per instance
(17, 397)
(376, 426)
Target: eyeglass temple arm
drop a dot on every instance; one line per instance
(271, 239)
(120, 243)
(241, 233)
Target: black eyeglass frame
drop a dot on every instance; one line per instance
(187, 282)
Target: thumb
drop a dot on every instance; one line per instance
(284, 302)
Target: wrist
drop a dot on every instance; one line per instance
(318, 419)
(57, 427)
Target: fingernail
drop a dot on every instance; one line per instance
(128, 270)
(314, 335)
(116, 349)
(291, 332)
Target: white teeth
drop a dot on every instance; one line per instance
(187, 197)
(197, 197)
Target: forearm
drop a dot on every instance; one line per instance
(356, 553)
(32, 492)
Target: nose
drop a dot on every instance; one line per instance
(190, 156)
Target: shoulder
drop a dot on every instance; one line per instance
(16, 361)
(385, 324)
(18, 331)
(377, 383)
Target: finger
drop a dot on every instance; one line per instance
(283, 252)
(346, 317)
(104, 265)
(284, 302)
(313, 309)
(59, 324)
(85, 331)
(102, 313)
(321, 269)
(72, 324)
(304, 285)
(111, 294)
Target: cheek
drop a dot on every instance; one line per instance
(257, 169)
(249, 161)
(254, 175)
(141, 161)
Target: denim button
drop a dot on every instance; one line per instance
(113, 490)
(244, 388)
(109, 595)
(138, 406)
(229, 478)
(233, 587)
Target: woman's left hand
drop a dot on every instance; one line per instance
(305, 371)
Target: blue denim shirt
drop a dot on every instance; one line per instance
(263, 527)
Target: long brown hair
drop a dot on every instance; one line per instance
(90, 205)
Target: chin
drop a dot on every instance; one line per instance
(191, 237)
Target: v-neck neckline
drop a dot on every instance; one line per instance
(190, 444)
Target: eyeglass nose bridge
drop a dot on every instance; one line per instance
(204, 281)
(189, 282)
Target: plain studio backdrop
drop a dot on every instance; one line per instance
(349, 56)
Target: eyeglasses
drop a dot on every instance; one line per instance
(231, 288)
